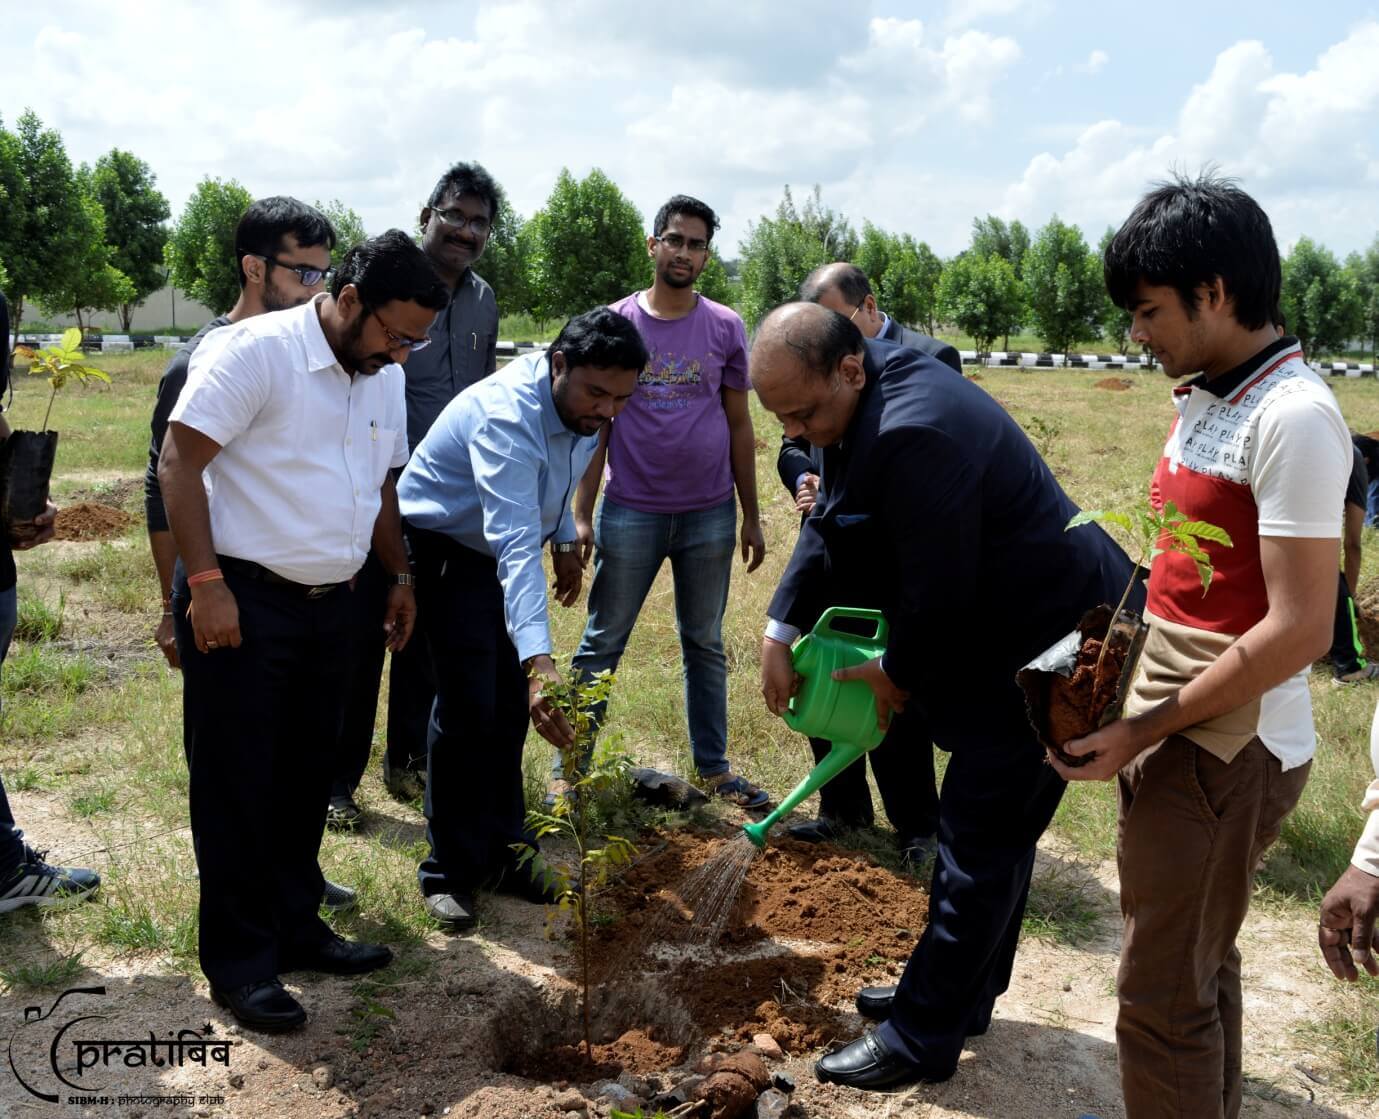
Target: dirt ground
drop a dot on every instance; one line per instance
(479, 1031)
(90, 520)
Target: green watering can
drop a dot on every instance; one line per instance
(842, 711)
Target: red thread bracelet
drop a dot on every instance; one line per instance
(209, 576)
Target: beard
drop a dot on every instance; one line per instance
(670, 279)
(362, 362)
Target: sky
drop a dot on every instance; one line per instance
(916, 116)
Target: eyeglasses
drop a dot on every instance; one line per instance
(397, 341)
(458, 220)
(676, 242)
(309, 276)
(855, 310)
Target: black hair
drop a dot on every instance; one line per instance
(685, 206)
(388, 267)
(1186, 233)
(821, 341)
(1368, 447)
(847, 279)
(261, 230)
(603, 339)
(469, 178)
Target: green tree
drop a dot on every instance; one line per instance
(982, 296)
(1363, 271)
(135, 211)
(714, 282)
(348, 226)
(507, 261)
(590, 248)
(909, 287)
(1063, 286)
(993, 237)
(45, 234)
(1114, 321)
(200, 254)
(781, 250)
(875, 249)
(93, 283)
(1319, 302)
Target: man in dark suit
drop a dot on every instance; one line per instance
(903, 765)
(939, 509)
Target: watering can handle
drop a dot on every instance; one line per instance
(825, 622)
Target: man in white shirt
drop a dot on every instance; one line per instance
(296, 421)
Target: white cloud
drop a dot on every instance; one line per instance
(1304, 143)
(1096, 62)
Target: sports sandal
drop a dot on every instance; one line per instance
(736, 789)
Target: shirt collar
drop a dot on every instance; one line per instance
(1227, 383)
(551, 422)
(885, 323)
(319, 355)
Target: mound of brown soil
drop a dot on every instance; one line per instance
(1114, 384)
(636, 1050)
(89, 520)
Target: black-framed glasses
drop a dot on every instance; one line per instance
(308, 276)
(457, 219)
(397, 341)
(675, 242)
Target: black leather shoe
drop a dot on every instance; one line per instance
(822, 830)
(342, 814)
(455, 912)
(262, 1006)
(519, 882)
(916, 849)
(869, 1063)
(875, 1002)
(338, 956)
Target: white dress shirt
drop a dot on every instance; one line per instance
(305, 447)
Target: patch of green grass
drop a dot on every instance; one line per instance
(41, 693)
(1063, 904)
(25, 780)
(42, 975)
(121, 575)
(1344, 1038)
(37, 621)
(93, 802)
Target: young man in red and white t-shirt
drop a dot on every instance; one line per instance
(1217, 738)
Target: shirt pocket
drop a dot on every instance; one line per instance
(381, 440)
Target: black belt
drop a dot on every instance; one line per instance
(248, 569)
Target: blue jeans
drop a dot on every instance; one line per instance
(630, 547)
(1372, 503)
(11, 838)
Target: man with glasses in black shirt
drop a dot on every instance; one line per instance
(462, 349)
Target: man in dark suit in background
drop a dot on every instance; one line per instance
(903, 765)
(938, 505)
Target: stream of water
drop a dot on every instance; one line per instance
(706, 897)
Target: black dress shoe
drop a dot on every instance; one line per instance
(869, 1063)
(338, 956)
(519, 882)
(342, 814)
(262, 1006)
(822, 830)
(916, 849)
(875, 1002)
(455, 912)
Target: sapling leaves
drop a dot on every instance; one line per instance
(61, 362)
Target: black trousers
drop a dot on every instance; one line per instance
(474, 804)
(258, 724)
(903, 767)
(998, 797)
(1347, 650)
(411, 689)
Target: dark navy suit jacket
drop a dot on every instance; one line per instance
(938, 509)
(797, 457)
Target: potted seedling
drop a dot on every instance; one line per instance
(575, 816)
(1080, 683)
(26, 457)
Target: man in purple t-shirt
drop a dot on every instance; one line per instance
(674, 455)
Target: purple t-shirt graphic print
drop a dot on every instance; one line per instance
(668, 449)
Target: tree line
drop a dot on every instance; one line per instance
(77, 240)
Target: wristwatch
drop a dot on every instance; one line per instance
(406, 579)
(565, 546)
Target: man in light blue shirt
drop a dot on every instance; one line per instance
(486, 488)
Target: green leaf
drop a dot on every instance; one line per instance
(71, 339)
(1204, 531)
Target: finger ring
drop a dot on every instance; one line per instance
(1328, 928)
(213, 644)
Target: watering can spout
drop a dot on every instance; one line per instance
(842, 755)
